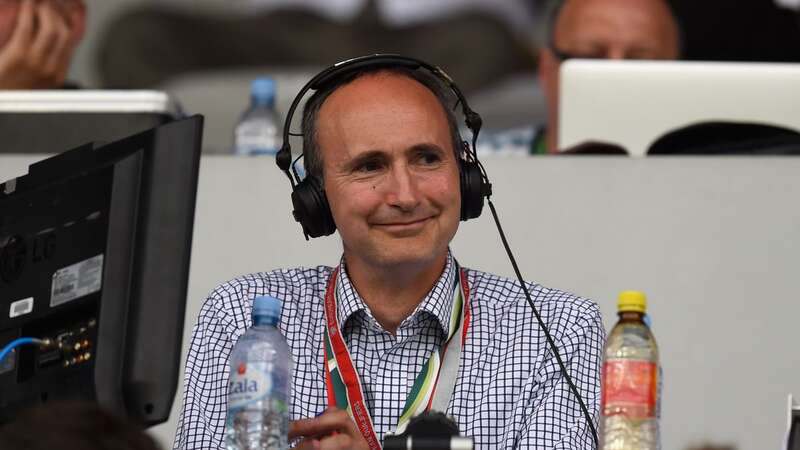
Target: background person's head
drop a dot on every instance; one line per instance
(606, 29)
(73, 426)
(385, 145)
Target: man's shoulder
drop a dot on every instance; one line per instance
(274, 282)
(294, 287)
(503, 300)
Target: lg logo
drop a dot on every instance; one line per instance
(12, 258)
(14, 254)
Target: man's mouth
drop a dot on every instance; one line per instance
(403, 227)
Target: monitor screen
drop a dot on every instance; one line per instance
(94, 256)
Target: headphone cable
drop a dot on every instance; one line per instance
(543, 326)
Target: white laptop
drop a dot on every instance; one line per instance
(80, 100)
(54, 121)
(632, 103)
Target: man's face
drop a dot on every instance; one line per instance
(608, 29)
(390, 173)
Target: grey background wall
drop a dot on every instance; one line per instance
(714, 242)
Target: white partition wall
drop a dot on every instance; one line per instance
(714, 242)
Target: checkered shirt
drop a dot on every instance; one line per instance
(509, 392)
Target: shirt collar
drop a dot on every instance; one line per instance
(438, 302)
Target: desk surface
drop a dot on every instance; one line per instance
(714, 242)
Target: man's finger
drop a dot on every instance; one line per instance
(336, 442)
(308, 444)
(23, 30)
(60, 54)
(330, 421)
(76, 20)
(51, 30)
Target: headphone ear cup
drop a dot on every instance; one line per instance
(311, 208)
(471, 190)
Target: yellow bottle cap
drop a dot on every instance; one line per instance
(632, 301)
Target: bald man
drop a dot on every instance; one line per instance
(607, 29)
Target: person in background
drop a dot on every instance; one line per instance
(37, 40)
(73, 426)
(476, 41)
(606, 29)
(712, 447)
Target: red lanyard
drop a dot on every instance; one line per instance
(342, 381)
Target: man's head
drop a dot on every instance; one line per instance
(608, 29)
(384, 144)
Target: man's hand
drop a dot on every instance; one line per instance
(332, 430)
(38, 54)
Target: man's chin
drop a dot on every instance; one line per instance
(399, 256)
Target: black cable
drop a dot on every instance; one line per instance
(294, 167)
(544, 327)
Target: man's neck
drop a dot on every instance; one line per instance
(392, 293)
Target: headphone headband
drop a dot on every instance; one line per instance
(354, 65)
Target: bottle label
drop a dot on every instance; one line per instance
(248, 384)
(254, 139)
(630, 388)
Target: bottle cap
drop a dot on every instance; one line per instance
(262, 89)
(266, 307)
(632, 301)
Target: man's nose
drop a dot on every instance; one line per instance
(403, 191)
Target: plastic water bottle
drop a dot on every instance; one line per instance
(257, 132)
(631, 385)
(259, 383)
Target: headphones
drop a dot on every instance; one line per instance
(309, 201)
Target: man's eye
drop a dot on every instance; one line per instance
(429, 158)
(368, 166)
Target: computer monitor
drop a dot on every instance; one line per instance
(94, 254)
(632, 103)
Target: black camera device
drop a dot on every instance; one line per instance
(430, 430)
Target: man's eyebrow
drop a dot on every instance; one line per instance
(370, 155)
(426, 147)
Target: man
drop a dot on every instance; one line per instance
(384, 145)
(608, 29)
(37, 39)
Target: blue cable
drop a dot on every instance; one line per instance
(16, 343)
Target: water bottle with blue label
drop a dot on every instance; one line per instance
(258, 130)
(258, 391)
